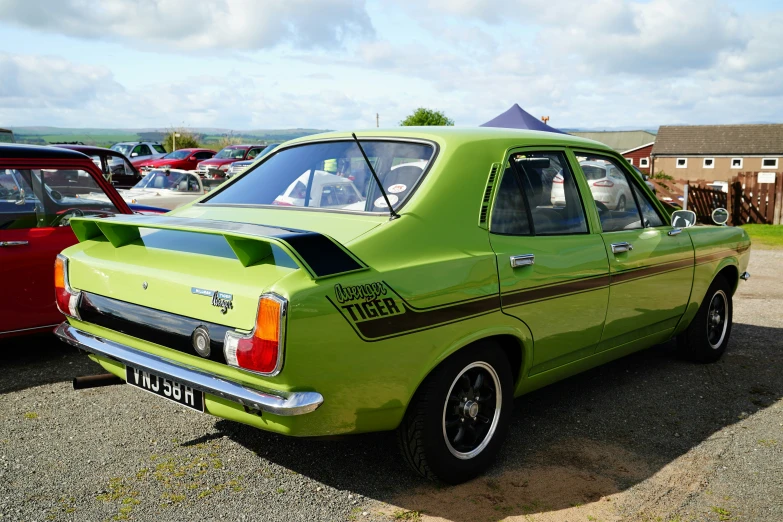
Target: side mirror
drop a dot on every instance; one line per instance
(683, 218)
(720, 216)
(134, 154)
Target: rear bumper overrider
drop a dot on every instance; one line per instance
(274, 402)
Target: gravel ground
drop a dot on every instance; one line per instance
(647, 438)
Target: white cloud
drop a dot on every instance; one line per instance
(47, 81)
(611, 64)
(188, 25)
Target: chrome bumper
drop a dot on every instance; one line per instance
(275, 402)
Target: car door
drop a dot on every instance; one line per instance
(552, 266)
(123, 174)
(33, 233)
(253, 152)
(198, 157)
(140, 151)
(651, 264)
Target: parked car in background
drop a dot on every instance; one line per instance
(326, 191)
(41, 189)
(216, 167)
(183, 159)
(240, 166)
(607, 183)
(140, 150)
(164, 188)
(428, 317)
(6, 136)
(115, 165)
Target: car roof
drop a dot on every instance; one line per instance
(89, 149)
(18, 150)
(460, 135)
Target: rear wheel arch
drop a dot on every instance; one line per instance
(512, 345)
(731, 274)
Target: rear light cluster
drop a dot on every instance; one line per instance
(604, 183)
(261, 351)
(67, 299)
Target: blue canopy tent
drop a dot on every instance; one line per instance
(517, 118)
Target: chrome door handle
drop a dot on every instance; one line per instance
(12, 243)
(675, 231)
(618, 248)
(522, 260)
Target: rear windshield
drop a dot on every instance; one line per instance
(593, 172)
(331, 175)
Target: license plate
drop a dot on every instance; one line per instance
(166, 388)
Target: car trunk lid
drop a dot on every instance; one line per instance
(210, 270)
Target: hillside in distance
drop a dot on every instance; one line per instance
(209, 137)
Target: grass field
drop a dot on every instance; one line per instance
(769, 236)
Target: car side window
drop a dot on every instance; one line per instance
(204, 155)
(538, 196)
(252, 153)
(192, 184)
(136, 150)
(612, 192)
(66, 193)
(119, 166)
(145, 151)
(17, 201)
(649, 213)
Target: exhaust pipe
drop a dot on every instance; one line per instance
(96, 381)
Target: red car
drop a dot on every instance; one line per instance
(41, 188)
(216, 167)
(185, 159)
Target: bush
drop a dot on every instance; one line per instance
(426, 117)
(227, 140)
(186, 140)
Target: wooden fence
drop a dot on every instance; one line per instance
(703, 200)
(754, 202)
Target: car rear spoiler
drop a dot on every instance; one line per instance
(319, 255)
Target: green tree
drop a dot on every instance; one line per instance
(422, 116)
(185, 140)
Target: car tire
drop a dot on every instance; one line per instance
(707, 336)
(461, 395)
(621, 204)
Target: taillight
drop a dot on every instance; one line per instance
(604, 183)
(67, 299)
(262, 350)
(558, 179)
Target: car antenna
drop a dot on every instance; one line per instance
(392, 213)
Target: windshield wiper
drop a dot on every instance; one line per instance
(392, 213)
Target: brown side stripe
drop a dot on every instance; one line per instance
(417, 319)
(412, 320)
(556, 290)
(646, 271)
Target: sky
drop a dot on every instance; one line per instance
(334, 64)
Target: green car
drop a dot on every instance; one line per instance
(408, 279)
